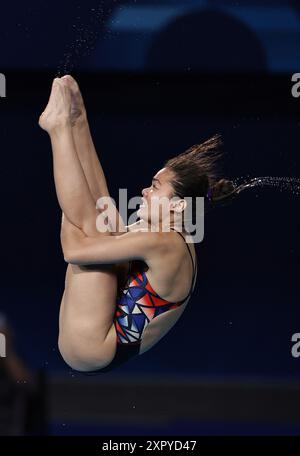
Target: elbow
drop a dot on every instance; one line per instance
(75, 258)
(69, 257)
(66, 252)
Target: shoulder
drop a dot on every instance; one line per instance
(172, 248)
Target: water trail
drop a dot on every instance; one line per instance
(288, 184)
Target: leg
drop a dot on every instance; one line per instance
(89, 297)
(89, 160)
(86, 338)
(72, 189)
(87, 153)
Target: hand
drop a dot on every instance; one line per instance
(78, 111)
(58, 109)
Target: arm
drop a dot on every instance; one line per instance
(83, 250)
(140, 225)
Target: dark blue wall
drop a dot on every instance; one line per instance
(246, 305)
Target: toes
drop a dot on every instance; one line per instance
(66, 79)
(72, 82)
(54, 85)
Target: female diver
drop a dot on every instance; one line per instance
(124, 289)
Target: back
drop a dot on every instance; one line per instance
(143, 315)
(171, 275)
(161, 325)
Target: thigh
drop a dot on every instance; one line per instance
(88, 307)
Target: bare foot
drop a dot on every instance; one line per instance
(78, 111)
(57, 111)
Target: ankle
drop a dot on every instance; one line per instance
(81, 123)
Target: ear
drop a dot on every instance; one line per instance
(179, 206)
(183, 204)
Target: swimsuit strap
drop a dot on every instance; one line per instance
(194, 266)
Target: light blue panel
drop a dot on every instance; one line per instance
(267, 18)
(143, 18)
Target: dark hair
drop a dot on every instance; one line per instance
(196, 172)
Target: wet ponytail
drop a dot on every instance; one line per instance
(196, 173)
(220, 192)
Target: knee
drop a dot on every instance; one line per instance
(79, 356)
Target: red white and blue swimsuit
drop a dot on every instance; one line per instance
(137, 305)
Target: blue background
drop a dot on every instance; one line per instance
(158, 77)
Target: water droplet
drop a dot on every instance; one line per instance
(289, 184)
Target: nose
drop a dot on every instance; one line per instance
(144, 192)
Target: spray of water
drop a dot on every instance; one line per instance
(85, 39)
(288, 184)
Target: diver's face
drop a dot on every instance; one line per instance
(161, 188)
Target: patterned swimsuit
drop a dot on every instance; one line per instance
(137, 305)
